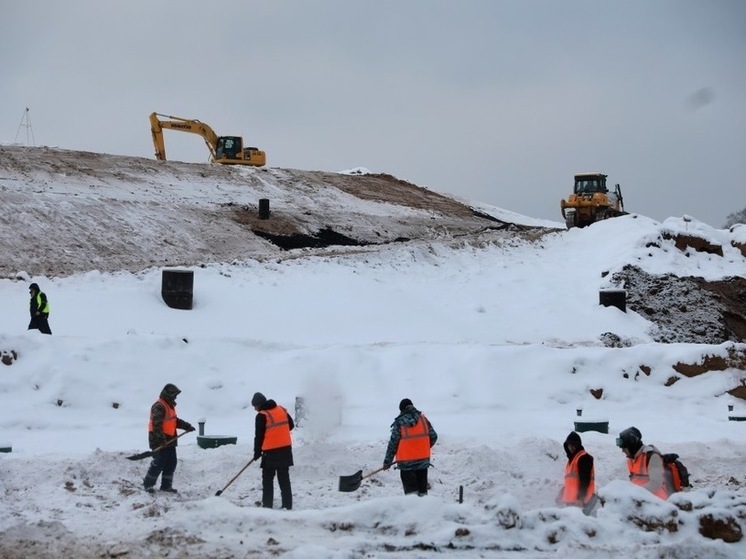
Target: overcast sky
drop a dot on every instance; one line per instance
(494, 101)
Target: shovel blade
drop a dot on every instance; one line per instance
(140, 456)
(350, 483)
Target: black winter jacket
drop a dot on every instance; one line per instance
(277, 457)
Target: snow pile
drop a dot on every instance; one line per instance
(499, 340)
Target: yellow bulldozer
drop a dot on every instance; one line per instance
(226, 150)
(591, 201)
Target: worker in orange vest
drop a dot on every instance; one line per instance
(412, 436)
(645, 462)
(162, 436)
(580, 486)
(273, 444)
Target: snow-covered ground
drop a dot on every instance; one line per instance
(499, 344)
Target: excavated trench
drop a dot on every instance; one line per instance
(323, 238)
(283, 230)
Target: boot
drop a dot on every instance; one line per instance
(167, 484)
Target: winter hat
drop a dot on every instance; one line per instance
(35, 287)
(404, 403)
(258, 399)
(574, 439)
(170, 391)
(631, 439)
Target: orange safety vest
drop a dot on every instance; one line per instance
(572, 481)
(638, 474)
(277, 431)
(169, 420)
(415, 441)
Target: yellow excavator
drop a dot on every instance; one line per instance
(226, 150)
(591, 201)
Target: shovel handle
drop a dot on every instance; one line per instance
(376, 471)
(220, 491)
(150, 453)
(172, 441)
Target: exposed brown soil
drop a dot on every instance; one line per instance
(687, 309)
(92, 211)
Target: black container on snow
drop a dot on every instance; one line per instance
(177, 288)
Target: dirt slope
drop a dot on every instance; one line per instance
(65, 212)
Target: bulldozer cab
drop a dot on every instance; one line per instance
(589, 183)
(229, 147)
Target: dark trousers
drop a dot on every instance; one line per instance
(414, 481)
(40, 323)
(268, 486)
(164, 462)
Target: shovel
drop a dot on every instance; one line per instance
(151, 452)
(352, 483)
(234, 478)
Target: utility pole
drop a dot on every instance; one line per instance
(26, 123)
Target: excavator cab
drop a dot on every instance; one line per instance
(229, 147)
(230, 150)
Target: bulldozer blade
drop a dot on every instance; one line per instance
(350, 483)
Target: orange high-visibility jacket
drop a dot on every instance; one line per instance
(638, 474)
(169, 420)
(277, 432)
(415, 441)
(571, 493)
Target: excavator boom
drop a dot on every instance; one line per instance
(183, 124)
(227, 150)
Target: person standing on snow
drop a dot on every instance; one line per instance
(580, 485)
(412, 436)
(162, 431)
(273, 444)
(645, 462)
(39, 310)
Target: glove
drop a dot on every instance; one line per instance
(257, 455)
(190, 428)
(386, 466)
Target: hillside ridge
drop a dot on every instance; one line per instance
(113, 213)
